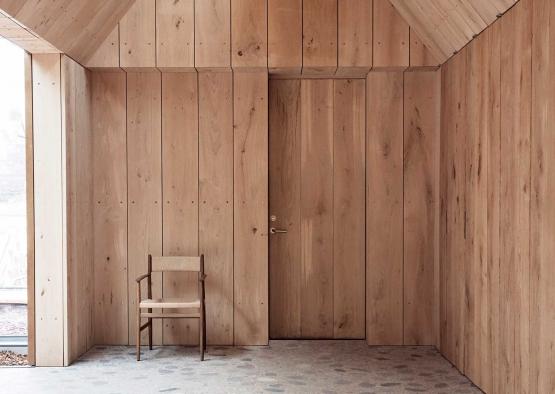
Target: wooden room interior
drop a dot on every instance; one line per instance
(372, 170)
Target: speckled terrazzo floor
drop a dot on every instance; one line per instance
(284, 366)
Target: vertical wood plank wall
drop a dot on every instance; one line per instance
(110, 207)
(250, 208)
(402, 208)
(384, 208)
(293, 37)
(421, 208)
(497, 322)
(216, 200)
(174, 176)
(62, 189)
(76, 123)
(49, 210)
(154, 193)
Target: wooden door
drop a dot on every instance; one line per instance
(317, 205)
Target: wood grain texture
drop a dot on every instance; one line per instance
(107, 54)
(212, 34)
(391, 37)
(542, 214)
(74, 27)
(250, 113)
(319, 36)
(285, 41)
(453, 318)
(30, 211)
(216, 201)
(355, 25)
(110, 208)
(137, 31)
(317, 208)
(420, 55)
(144, 163)
(421, 207)
(175, 35)
(50, 206)
(349, 132)
(447, 26)
(514, 335)
(284, 199)
(76, 122)
(384, 208)
(180, 195)
(493, 126)
(483, 115)
(249, 34)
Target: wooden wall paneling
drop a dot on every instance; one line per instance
(216, 201)
(421, 195)
(285, 32)
(420, 55)
(144, 187)
(476, 205)
(30, 197)
(249, 34)
(250, 112)
(107, 54)
(447, 108)
(482, 196)
(452, 322)
(49, 187)
(317, 208)
(213, 34)
(384, 208)
(175, 35)
(447, 26)
(110, 208)
(285, 159)
(391, 37)
(492, 89)
(349, 200)
(137, 31)
(355, 27)
(180, 195)
(542, 216)
(75, 27)
(76, 122)
(516, 33)
(319, 37)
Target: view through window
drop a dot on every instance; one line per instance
(13, 232)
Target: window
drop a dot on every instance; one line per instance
(13, 224)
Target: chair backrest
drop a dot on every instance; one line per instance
(176, 263)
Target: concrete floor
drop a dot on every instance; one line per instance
(282, 367)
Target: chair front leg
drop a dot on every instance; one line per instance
(138, 322)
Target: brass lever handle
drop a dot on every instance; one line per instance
(274, 230)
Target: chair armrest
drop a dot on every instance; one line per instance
(140, 278)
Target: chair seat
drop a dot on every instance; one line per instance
(168, 303)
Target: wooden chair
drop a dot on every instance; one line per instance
(196, 307)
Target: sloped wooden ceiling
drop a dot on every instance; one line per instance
(75, 27)
(445, 26)
(14, 32)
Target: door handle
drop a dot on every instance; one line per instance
(274, 230)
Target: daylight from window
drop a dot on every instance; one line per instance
(13, 235)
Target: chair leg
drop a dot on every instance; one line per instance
(201, 336)
(204, 328)
(138, 335)
(150, 334)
